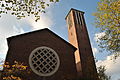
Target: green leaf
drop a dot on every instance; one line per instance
(51, 0)
(3, 5)
(57, 0)
(47, 4)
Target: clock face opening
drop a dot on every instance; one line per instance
(44, 61)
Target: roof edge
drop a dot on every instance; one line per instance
(10, 38)
(63, 40)
(74, 10)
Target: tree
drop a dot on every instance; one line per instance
(107, 19)
(17, 71)
(23, 8)
(101, 73)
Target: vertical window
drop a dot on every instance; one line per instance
(82, 19)
(76, 17)
(71, 33)
(79, 18)
(82, 23)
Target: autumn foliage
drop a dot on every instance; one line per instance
(17, 71)
(107, 19)
(23, 8)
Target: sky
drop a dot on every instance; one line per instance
(54, 19)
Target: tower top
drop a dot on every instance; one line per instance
(72, 9)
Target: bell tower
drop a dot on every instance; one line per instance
(78, 37)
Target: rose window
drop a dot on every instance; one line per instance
(44, 61)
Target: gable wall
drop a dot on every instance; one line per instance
(20, 48)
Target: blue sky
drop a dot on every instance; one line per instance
(61, 9)
(54, 19)
(55, 16)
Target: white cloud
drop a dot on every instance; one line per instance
(10, 26)
(3, 45)
(45, 21)
(99, 35)
(1, 63)
(95, 50)
(112, 67)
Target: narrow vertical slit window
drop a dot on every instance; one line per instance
(80, 16)
(76, 17)
(82, 19)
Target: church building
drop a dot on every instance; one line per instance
(52, 58)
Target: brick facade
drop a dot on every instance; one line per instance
(21, 46)
(78, 37)
(76, 60)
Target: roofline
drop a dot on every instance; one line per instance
(27, 33)
(74, 10)
(9, 38)
(64, 40)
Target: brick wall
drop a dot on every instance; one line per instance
(20, 48)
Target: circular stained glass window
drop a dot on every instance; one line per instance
(44, 61)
